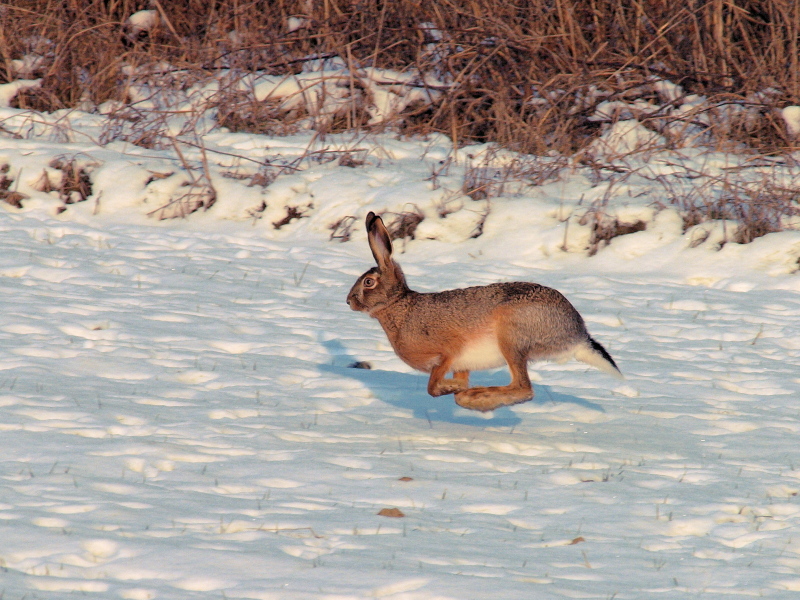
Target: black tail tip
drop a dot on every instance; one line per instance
(603, 352)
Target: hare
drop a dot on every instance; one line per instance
(472, 328)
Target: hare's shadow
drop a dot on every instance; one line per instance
(409, 391)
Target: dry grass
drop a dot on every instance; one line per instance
(757, 207)
(195, 196)
(404, 224)
(292, 213)
(342, 229)
(603, 230)
(492, 176)
(603, 224)
(7, 194)
(69, 177)
(75, 185)
(525, 73)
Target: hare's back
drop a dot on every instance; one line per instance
(519, 303)
(488, 297)
(540, 313)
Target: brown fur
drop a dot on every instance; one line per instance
(471, 328)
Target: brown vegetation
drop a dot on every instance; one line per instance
(759, 207)
(525, 73)
(7, 195)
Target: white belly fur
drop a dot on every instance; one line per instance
(483, 353)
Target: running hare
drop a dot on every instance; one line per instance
(473, 328)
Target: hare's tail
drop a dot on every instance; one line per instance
(592, 353)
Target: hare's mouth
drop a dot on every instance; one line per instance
(355, 304)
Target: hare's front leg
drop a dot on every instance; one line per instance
(439, 386)
(485, 399)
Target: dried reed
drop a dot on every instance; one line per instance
(525, 73)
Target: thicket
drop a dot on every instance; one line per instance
(542, 77)
(527, 74)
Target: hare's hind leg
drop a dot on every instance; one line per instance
(462, 377)
(439, 386)
(489, 398)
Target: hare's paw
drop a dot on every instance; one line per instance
(448, 386)
(442, 387)
(485, 399)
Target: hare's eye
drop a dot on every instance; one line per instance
(370, 283)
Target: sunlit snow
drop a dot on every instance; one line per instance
(180, 419)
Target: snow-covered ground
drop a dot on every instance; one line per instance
(179, 418)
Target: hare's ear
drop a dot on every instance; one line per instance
(379, 241)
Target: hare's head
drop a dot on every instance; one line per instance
(381, 285)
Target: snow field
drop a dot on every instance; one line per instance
(180, 421)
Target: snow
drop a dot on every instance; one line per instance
(295, 23)
(791, 116)
(8, 91)
(326, 88)
(180, 419)
(141, 22)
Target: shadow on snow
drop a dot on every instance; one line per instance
(409, 391)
